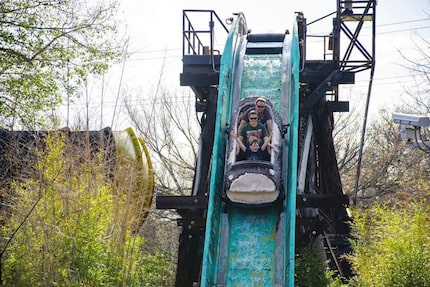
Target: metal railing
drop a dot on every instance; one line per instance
(199, 41)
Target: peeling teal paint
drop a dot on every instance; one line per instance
(251, 247)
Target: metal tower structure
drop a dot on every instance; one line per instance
(322, 215)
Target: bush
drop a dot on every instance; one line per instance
(392, 247)
(311, 269)
(72, 227)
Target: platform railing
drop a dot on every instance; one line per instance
(196, 40)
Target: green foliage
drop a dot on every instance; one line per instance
(48, 48)
(392, 247)
(65, 230)
(155, 270)
(310, 269)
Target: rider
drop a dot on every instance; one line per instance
(253, 137)
(264, 116)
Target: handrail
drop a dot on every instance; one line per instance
(193, 43)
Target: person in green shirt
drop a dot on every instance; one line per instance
(253, 129)
(252, 134)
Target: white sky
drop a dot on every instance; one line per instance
(154, 30)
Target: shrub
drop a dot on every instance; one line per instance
(392, 246)
(71, 226)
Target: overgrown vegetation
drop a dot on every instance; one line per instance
(392, 246)
(311, 271)
(71, 226)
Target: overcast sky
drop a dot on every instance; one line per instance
(155, 40)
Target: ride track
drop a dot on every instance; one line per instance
(246, 246)
(251, 236)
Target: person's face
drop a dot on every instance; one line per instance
(260, 106)
(254, 147)
(253, 120)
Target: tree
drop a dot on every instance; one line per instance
(47, 48)
(390, 167)
(171, 133)
(418, 64)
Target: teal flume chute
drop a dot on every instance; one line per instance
(247, 243)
